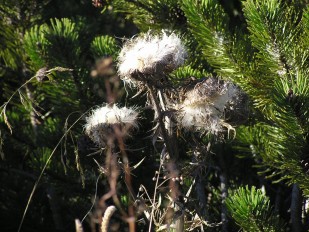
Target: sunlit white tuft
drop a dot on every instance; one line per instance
(204, 107)
(150, 54)
(99, 125)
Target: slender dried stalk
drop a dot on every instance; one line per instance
(223, 186)
(156, 187)
(112, 175)
(168, 134)
(159, 115)
(33, 116)
(43, 170)
(127, 172)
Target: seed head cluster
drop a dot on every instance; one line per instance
(100, 124)
(208, 106)
(150, 54)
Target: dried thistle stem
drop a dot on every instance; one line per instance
(172, 148)
(159, 115)
(156, 187)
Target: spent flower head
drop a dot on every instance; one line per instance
(204, 106)
(101, 123)
(150, 54)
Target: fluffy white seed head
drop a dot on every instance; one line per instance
(100, 124)
(204, 107)
(150, 54)
(198, 117)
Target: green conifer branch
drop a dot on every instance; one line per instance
(35, 46)
(208, 23)
(103, 46)
(279, 149)
(251, 210)
(9, 49)
(264, 18)
(63, 46)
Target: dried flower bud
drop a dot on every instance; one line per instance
(41, 74)
(100, 124)
(148, 55)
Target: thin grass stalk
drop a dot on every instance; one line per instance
(33, 116)
(163, 153)
(43, 170)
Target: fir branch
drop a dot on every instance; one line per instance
(142, 4)
(280, 150)
(208, 23)
(252, 211)
(275, 32)
(103, 46)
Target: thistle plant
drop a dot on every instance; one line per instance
(100, 125)
(225, 47)
(145, 62)
(108, 127)
(147, 57)
(204, 107)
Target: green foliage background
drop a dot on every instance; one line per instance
(262, 46)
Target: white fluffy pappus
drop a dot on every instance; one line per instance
(99, 125)
(198, 117)
(149, 54)
(204, 106)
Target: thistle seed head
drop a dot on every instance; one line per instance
(150, 54)
(204, 107)
(100, 124)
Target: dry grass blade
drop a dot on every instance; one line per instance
(59, 69)
(3, 107)
(6, 121)
(44, 168)
(95, 196)
(155, 191)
